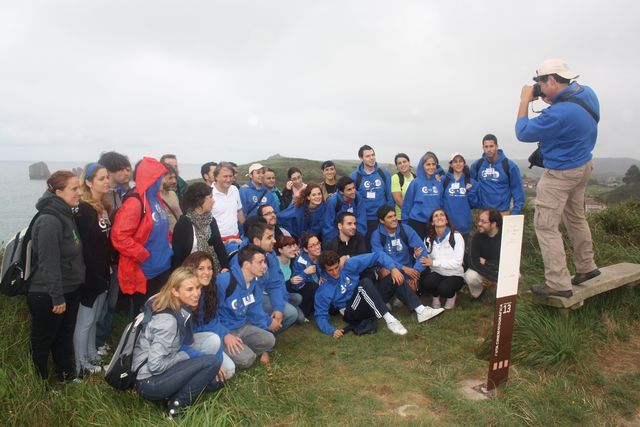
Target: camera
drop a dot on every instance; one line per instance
(537, 92)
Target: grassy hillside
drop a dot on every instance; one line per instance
(580, 370)
(624, 192)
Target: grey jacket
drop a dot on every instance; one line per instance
(159, 344)
(57, 250)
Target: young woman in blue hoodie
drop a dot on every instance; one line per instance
(208, 332)
(306, 214)
(423, 196)
(460, 194)
(169, 369)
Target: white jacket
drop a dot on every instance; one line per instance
(447, 261)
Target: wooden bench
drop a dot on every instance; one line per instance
(612, 277)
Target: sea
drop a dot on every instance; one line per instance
(19, 195)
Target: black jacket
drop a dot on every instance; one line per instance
(57, 250)
(96, 250)
(183, 242)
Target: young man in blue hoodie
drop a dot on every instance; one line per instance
(344, 200)
(567, 132)
(373, 185)
(499, 179)
(245, 327)
(255, 193)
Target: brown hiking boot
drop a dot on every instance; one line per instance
(583, 277)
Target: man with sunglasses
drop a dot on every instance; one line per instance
(567, 132)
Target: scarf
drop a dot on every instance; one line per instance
(202, 226)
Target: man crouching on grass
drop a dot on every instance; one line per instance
(357, 299)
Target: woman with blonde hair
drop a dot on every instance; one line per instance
(168, 367)
(94, 227)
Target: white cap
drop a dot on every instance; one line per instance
(555, 66)
(254, 167)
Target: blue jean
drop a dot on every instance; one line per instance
(209, 343)
(290, 313)
(105, 319)
(183, 382)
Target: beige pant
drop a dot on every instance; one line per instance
(560, 195)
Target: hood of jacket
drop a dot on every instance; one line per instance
(362, 172)
(50, 203)
(498, 160)
(147, 174)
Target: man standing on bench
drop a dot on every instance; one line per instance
(567, 132)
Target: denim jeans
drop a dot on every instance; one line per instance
(290, 314)
(183, 382)
(209, 343)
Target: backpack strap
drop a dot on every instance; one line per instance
(400, 179)
(232, 285)
(338, 203)
(568, 97)
(255, 205)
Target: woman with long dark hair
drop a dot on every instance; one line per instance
(444, 257)
(306, 213)
(197, 229)
(59, 271)
(306, 273)
(208, 332)
(94, 227)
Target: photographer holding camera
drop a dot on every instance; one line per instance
(567, 132)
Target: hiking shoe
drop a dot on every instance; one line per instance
(435, 303)
(450, 303)
(90, 370)
(174, 410)
(104, 350)
(397, 328)
(583, 277)
(428, 313)
(545, 291)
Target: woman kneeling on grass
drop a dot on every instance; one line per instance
(169, 368)
(206, 324)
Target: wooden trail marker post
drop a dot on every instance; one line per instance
(506, 293)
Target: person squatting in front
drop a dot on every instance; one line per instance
(169, 369)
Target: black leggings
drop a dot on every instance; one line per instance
(153, 287)
(438, 285)
(308, 293)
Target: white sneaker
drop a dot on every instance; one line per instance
(450, 303)
(435, 303)
(428, 313)
(397, 328)
(90, 370)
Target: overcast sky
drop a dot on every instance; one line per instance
(241, 80)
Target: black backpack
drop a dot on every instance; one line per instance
(18, 261)
(402, 234)
(119, 373)
(401, 178)
(505, 166)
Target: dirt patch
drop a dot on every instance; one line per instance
(620, 357)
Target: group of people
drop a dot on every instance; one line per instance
(221, 268)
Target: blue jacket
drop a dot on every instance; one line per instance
(157, 244)
(337, 292)
(299, 264)
(495, 187)
(423, 196)
(300, 219)
(249, 197)
(374, 190)
(566, 131)
(458, 201)
(396, 248)
(213, 325)
(243, 306)
(330, 229)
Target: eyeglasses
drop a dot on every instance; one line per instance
(480, 221)
(313, 245)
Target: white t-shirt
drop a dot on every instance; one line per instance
(225, 210)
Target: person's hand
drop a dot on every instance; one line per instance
(411, 272)
(59, 309)
(468, 186)
(224, 270)
(277, 315)
(526, 95)
(221, 376)
(483, 261)
(413, 284)
(426, 261)
(296, 280)
(382, 273)
(438, 177)
(233, 344)
(397, 277)
(310, 270)
(275, 325)
(417, 251)
(289, 185)
(338, 333)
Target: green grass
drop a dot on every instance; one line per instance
(561, 373)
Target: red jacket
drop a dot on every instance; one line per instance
(130, 233)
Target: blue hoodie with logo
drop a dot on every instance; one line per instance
(458, 201)
(356, 207)
(243, 306)
(249, 197)
(374, 189)
(496, 187)
(566, 131)
(399, 250)
(423, 196)
(299, 219)
(157, 244)
(337, 292)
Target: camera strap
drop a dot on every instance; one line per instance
(568, 97)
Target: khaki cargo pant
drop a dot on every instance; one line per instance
(560, 195)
